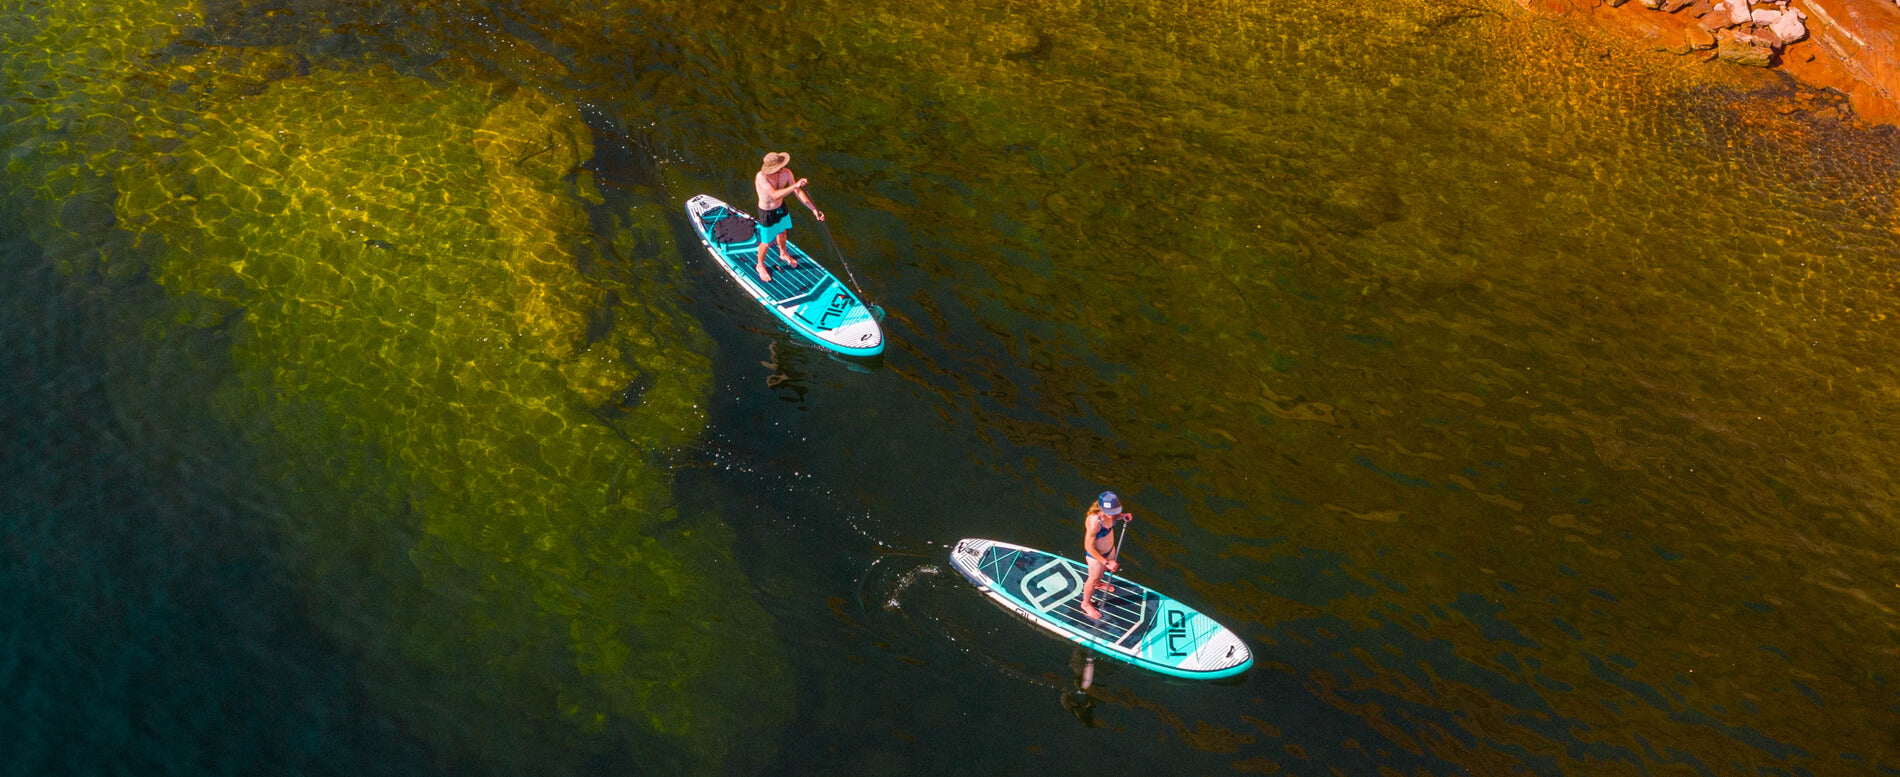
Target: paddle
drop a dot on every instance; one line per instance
(1119, 537)
(825, 229)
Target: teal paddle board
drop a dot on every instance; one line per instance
(1138, 626)
(807, 298)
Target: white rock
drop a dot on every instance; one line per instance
(1738, 11)
(1763, 16)
(1789, 28)
(1718, 18)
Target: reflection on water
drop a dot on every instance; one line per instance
(1520, 397)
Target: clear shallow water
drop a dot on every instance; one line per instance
(1520, 398)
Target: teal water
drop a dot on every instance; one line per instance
(369, 408)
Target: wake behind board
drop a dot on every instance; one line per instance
(1138, 626)
(807, 298)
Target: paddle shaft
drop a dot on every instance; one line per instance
(825, 229)
(1117, 552)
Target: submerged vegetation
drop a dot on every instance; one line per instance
(473, 400)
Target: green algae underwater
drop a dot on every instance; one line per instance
(1518, 396)
(390, 264)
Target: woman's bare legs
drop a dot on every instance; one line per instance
(1088, 589)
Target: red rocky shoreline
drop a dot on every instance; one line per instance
(1852, 46)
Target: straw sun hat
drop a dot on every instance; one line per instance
(775, 162)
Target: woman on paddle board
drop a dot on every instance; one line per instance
(1098, 541)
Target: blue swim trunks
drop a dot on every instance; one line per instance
(774, 222)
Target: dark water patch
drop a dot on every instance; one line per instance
(1396, 477)
(1649, 695)
(1553, 684)
(1481, 611)
(152, 627)
(1809, 692)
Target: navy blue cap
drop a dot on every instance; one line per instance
(1110, 503)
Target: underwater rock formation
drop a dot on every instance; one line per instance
(468, 436)
(405, 270)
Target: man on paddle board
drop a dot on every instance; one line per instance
(1098, 541)
(773, 182)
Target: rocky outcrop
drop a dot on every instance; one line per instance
(1743, 48)
(1753, 34)
(1789, 27)
(1857, 47)
(1852, 46)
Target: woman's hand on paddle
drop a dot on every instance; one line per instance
(1112, 565)
(818, 214)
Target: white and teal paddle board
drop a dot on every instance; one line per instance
(1138, 626)
(807, 298)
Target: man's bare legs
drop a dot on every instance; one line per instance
(785, 253)
(759, 261)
